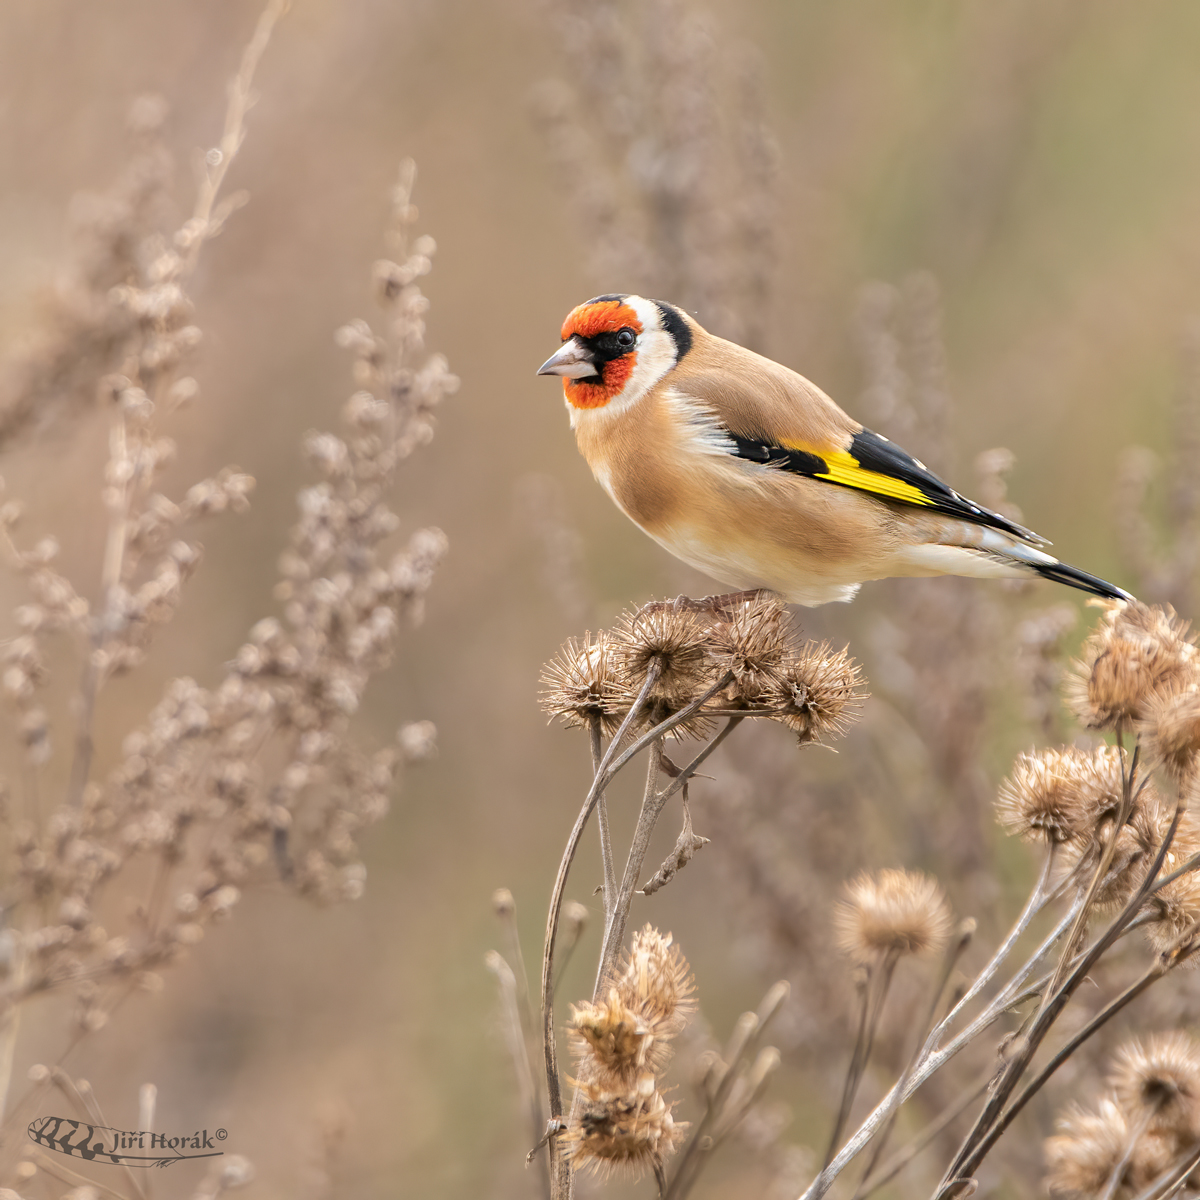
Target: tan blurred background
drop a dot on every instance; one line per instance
(1040, 157)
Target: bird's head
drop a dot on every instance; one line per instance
(616, 348)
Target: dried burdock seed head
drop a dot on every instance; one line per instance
(656, 982)
(585, 681)
(616, 1040)
(1093, 785)
(676, 642)
(1157, 1084)
(753, 644)
(1082, 1156)
(1102, 789)
(1047, 795)
(1094, 778)
(817, 694)
(1153, 1154)
(1137, 651)
(1176, 906)
(1170, 732)
(630, 1130)
(891, 912)
(610, 1042)
(1137, 843)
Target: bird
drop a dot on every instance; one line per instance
(749, 472)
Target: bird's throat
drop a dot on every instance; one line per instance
(614, 374)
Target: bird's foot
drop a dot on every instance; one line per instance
(724, 605)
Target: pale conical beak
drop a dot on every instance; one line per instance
(573, 361)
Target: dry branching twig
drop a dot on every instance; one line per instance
(256, 778)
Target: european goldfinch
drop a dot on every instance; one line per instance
(746, 470)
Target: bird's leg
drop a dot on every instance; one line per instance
(718, 606)
(726, 605)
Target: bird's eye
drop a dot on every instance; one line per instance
(626, 338)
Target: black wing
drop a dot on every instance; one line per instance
(873, 464)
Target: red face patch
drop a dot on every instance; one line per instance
(614, 373)
(587, 320)
(600, 316)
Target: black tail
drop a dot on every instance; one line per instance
(1060, 572)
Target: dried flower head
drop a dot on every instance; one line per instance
(1154, 1154)
(676, 643)
(818, 692)
(1176, 906)
(656, 981)
(617, 1040)
(1137, 843)
(582, 682)
(1052, 794)
(1157, 1083)
(753, 644)
(611, 1042)
(1099, 798)
(892, 912)
(1084, 1153)
(1137, 651)
(629, 1130)
(1170, 731)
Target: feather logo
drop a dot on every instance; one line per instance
(122, 1147)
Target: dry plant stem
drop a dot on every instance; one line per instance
(932, 1061)
(614, 928)
(1190, 865)
(560, 1168)
(953, 954)
(1162, 964)
(652, 806)
(1172, 1179)
(520, 978)
(879, 982)
(660, 1178)
(844, 1106)
(147, 1104)
(240, 99)
(1118, 1171)
(764, 1064)
(606, 855)
(744, 1038)
(983, 1135)
(894, 1165)
(8, 1047)
(564, 957)
(519, 1050)
(1101, 872)
(560, 1174)
(97, 1117)
(110, 618)
(1034, 905)
(218, 163)
(608, 770)
(65, 1175)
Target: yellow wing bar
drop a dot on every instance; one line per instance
(844, 468)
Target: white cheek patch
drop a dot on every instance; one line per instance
(655, 357)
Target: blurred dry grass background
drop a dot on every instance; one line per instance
(1040, 157)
